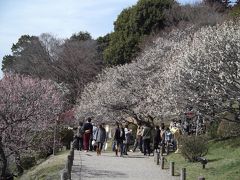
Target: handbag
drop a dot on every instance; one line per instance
(106, 146)
(94, 142)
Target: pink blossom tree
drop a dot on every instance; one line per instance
(28, 107)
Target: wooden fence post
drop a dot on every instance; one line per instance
(64, 174)
(172, 168)
(161, 151)
(183, 174)
(72, 155)
(158, 157)
(155, 157)
(162, 162)
(69, 165)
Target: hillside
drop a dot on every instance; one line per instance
(224, 161)
(49, 169)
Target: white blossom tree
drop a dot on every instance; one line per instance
(191, 67)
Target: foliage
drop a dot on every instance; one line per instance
(102, 44)
(193, 147)
(131, 25)
(66, 136)
(220, 5)
(235, 11)
(81, 36)
(212, 129)
(228, 129)
(7, 63)
(28, 57)
(28, 162)
(72, 62)
(199, 15)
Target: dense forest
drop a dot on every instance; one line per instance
(161, 59)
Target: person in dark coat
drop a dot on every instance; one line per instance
(157, 138)
(146, 139)
(119, 137)
(88, 129)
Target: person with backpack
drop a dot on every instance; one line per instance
(80, 133)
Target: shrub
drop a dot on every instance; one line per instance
(66, 136)
(212, 129)
(228, 129)
(193, 147)
(28, 161)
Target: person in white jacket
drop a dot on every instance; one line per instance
(126, 143)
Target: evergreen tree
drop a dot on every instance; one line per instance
(131, 25)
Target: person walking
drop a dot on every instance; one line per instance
(87, 128)
(162, 135)
(157, 138)
(119, 136)
(138, 140)
(117, 139)
(100, 138)
(80, 133)
(93, 145)
(146, 139)
(123, 138)
(127, 140)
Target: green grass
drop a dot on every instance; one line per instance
(223, 157)
(48, 169)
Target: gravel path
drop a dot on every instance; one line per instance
(135, 166)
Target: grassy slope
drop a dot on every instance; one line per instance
(48, 169)
(224, 161)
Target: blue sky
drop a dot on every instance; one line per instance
(61, 18)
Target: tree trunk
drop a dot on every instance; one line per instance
(18, 163)
(4, 160)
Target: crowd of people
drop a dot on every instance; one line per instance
(90, 137)
(144, 136)
(150, 139)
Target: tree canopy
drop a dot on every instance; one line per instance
(182, 68)
(131, 25)
(73, 61)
